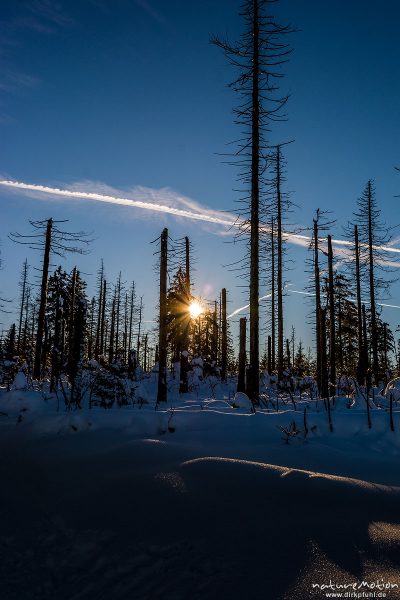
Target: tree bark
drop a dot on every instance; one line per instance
(317, 304)
(21, 312)
(273, 324)
(253, 373)
(280, 262)
(241, 385)
(224, 341)
(374, 336)
(43, 302)
(332, 331)
(162, 340)
(361, 367)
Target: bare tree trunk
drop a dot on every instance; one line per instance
(365, 340)
(288, 354)
(340, 334)
(361, 367)
(23, 295)
(43, 302)
(98, 334)
(241, 385)
(324, 369)
(215, 334)
(184, 360)
(253, 372)
(273, 324)
(132, 308)
(112, 333)
(187, 264)
(269, 357)
(332, 331)
(280, 262)
(139, 327)
(317, 304)
(103, 318)
(145, 354)
(90, 341)
(374, 335)
(385, 346)
(162, 342)
(33, 322)
(71, 319)
(117, 314)
(125, 338)
(224, 340)
(26, 317)
(56, 350)
(324, 362)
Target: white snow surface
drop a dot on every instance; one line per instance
(183, 500)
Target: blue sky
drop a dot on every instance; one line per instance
(115, 95)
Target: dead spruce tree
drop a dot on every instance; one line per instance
(257, 57)
(49, 239)
(179, 313)
(332, 322)
(162, 336)
(281, 206)
(320, 224)
(24, 294)
(373, 237)
(100, 282)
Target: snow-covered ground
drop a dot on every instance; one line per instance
(200, 498)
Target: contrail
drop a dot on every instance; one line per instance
(178, 212)
(242, 308)
(203, 214)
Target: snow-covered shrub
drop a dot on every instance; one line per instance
(241, 400)
(393, 388)
(110, 386)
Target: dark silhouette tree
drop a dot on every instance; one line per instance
(51, 240)
(24, 290)
(373, 237)
(258, 57)
(162, 337)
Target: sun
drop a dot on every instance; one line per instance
(195, 309)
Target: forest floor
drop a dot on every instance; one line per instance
(197, 499)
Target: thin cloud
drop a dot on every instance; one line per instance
(165, 201)
(152, 12)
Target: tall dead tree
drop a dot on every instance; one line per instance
(278, 181)
(162, 339)
(320, 224)
(100, 279)
(258, 57)
(49, 239)
(361, 367)
(186, 322)
(317, 284)
(131, 315)
(269, 357)
(71, 318)
(241, 384)
(214, 345)
(111, 354)
(139, 326)
(224, 336)
(373, 238)
(273, 324)
(43, 300)
(103, 319)
(24, 290)
(371, 277)
(332, 324)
